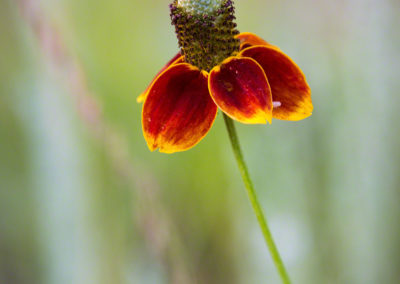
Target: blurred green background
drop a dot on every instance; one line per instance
(82, 200)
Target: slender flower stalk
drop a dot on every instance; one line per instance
(262, 221)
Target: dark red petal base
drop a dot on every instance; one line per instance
(290, 91)
(240, 89)
(178, 111)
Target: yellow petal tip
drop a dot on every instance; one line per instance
(141, 98)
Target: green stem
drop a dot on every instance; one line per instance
(254, 201)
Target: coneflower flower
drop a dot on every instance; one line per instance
(247, 78)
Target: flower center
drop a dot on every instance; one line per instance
(205, 30)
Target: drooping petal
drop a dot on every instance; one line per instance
(178, 58)
(290, 92)
(240, 88)
(178, 110)
(250, 39)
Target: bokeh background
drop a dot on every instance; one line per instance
(82, 200)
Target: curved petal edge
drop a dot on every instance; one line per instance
(250, 39)
(291, 93)
(178, 111)
(240, 89)
(178, 58)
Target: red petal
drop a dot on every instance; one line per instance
(250, 39)
(240, 89)
(178, 111)
(178, 58)
(290, 91)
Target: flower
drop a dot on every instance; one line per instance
(249, 80)
(257, 84)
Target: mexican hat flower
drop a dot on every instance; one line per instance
(217, 67)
